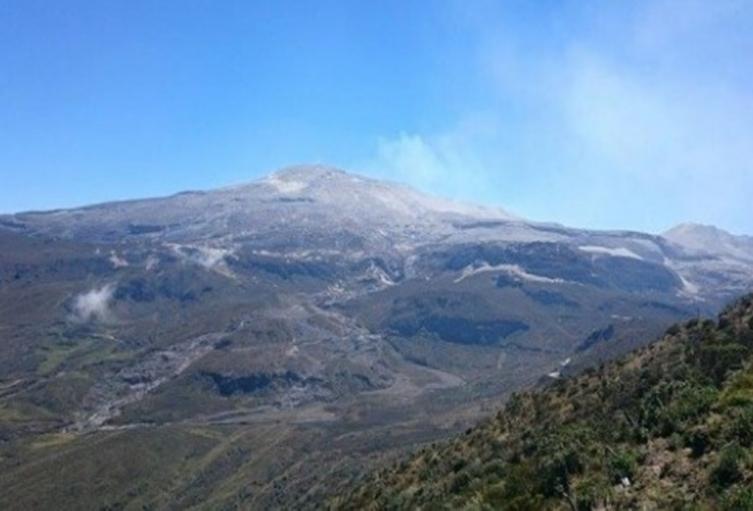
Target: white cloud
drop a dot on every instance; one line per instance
(210, 258)
(93, 305)
(684, 143)
(641, 124)
(411, 157)
(450, 163)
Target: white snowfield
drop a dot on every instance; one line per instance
(607, 251)
(511, 269)
(285, 187)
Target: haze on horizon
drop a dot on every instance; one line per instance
(632, 115)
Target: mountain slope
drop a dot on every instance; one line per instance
(312, 311)
(309, 212)
(669, 425)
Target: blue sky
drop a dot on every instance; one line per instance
(630, 114)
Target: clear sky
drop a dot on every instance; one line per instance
(598, 114)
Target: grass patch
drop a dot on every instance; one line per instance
(52, 440)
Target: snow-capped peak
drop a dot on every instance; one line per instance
(711, 240)
(330, 184)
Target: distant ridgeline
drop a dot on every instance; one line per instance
(667, 427)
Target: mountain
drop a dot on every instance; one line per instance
(312, 211)
(311, 198)
(271, 338)
(667, 426)
(711, 241)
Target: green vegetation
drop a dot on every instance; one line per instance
(670, 426)
(78, 353)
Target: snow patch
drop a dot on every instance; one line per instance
(613, 252)
(209, 257)
(151, 263)
(285, 186)
(512, 269)
(377, 274)
(688, 288)
(117, 261)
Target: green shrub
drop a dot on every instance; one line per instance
(458, 464)
(727, 470)
(459, 482)
(741, 428)
(494, 468)
(623, 464)
(698, 441)
(591, 493)
(740, 500)
(715, 360)
(685, 405)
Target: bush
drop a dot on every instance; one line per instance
(560, 458)
(741, 429)
(690, 403)
(459, 482)
(670, 408)
(715, 360)
(727, 469)
(518, 492)
(591, 493)
(623, 464)
(495, 495)
(458, 464)
(494, 468)
(740, 500)
(739, 391)
(698, 441)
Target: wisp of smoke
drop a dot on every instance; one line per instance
(93, 305)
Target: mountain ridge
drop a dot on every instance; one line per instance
(323, 313)
(330, 206)
(309, 174)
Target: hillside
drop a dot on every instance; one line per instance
(667, 427)
(270, 340)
